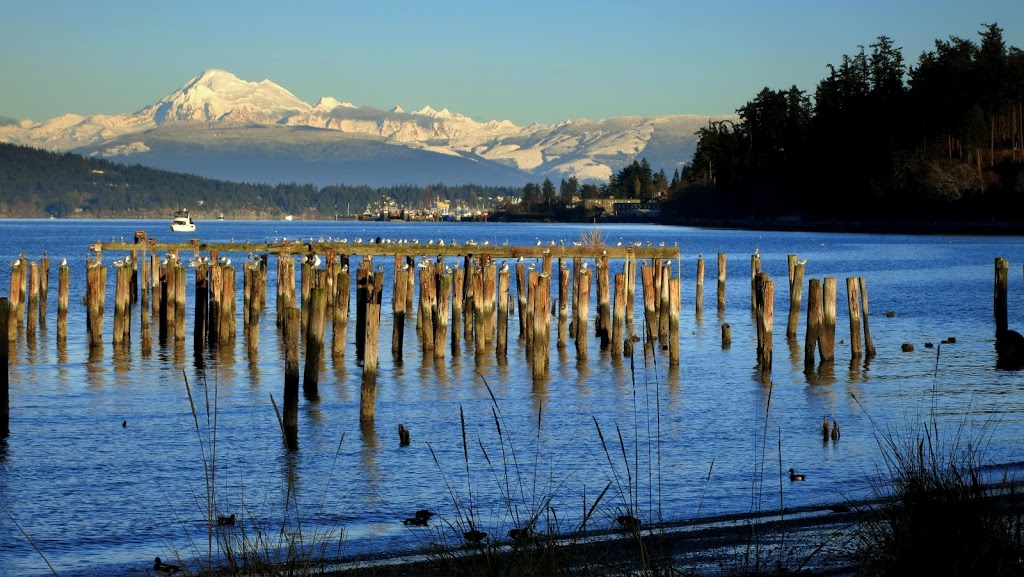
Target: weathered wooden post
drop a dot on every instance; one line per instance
(489, 286)
(650, 313)
(368, 390)
(619, 315)
(342, 290)
(33, 299)
(657, 264)
(699, 304)
(146, 285)
(252, 327)
(673, 321)
(582, 310)
(179, 300)
(663, 298)
(96, 282)
(214, 302)
(363, 287)
(428, 305)
(521, 293)
(291, 376)
(12, 305)
(479, 320)
(815, 316)
(305, 284)
(604, 306)
(458, 298)
(227, 305)
(765, 307)
(201, 296)
(44, 285)
(63, 288)
(314, 341)
(5, 391)
(796, 292)
(444, 295)
(869, 345)
(726, 336)
(1000, 304)
(630, 270)
(853, 304)
(541, 326)
(827, 331)
(564, 277)
(755, 267)
(398, 305)
(721, 282)
(121, 303)
(501, 339)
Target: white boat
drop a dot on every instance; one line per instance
(182, 222)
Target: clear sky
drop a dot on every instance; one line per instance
(525, 61)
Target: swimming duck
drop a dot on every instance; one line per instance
(416, 521)
(474, 536)
(164, 569)
(226, 520)
(628, 521)
(794, 476)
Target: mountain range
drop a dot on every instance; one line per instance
(223, 127)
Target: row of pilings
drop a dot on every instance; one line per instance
(468, 299)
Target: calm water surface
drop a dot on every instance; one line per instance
(703, 439)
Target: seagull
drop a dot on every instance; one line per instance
(504, 266)
(757, 252)
(380, 268)
(164, 569)
(801, 262)
(304, 259)
(316, 260)
(583, 265)
(532, 266)
(63, 262)
(15, 263)
(117, 263)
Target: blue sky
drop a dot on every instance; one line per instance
(525, 61)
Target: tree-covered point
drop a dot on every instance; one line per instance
(37, 183)
(940, 140)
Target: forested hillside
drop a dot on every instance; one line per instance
(37, 183)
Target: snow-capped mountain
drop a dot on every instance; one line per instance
(268, 121)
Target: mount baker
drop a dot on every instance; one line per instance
(220, 126)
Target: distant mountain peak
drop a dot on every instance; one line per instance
(217, 95)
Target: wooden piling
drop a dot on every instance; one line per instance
(5, 394)
(564, 277)
(815, 317)
(362, 298)
(146, 285)
(796, 293)
(121, 303)
(853, 304)
(428, 296)
(618, 316)
(869, 345)
(14, 295)
(96, 282)
(368, 390)
(44, 286)
(726, 335)
(479, 319)
(1002, 271)
(650, 312)
(179, 299)
(582, 310)
(342, 290)
(489, 286)
(291, 376)
(827, 331)
(201, 296)
(604, 306)
(765, 308)
(673, 321)
(33, 299)
(228, 309)
(663, 308)
(501, 338)
(216, 286)
(398, 306)
(252, 327)
(721, 282)
(755, 267)
(699, 299)
(63, 288)
(444, 290)
(521, 293)
(314, 341)
(630, 271)
(541, 323)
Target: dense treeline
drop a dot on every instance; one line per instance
(37, 183)
(940, 140)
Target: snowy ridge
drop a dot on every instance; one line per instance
(588, 150)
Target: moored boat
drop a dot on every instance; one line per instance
(182, 222)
